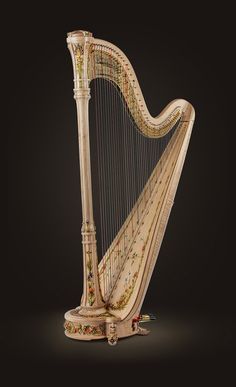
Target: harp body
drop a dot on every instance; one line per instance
(114, 288)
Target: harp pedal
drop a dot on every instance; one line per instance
(147, 317)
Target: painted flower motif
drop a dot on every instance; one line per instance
(89, 263)
(91, 290)
(124, 298)
(91, 295)
(69, 327)
(86, 329)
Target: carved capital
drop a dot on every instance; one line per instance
(79, 43)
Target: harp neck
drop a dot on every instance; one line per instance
(95, 58)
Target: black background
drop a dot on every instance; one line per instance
(177, 51)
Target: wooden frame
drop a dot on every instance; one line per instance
(107, 312)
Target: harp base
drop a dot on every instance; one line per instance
(105, 326)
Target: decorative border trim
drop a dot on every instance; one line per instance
(85, 329)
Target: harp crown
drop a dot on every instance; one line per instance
(78, 35)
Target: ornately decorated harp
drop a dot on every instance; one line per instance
(140, 159)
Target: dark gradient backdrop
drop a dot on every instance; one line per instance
(181, 54)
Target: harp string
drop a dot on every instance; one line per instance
(112, 166)
(125, 145)
(125, 160)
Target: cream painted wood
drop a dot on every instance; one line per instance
(92, 303)
(111, 309)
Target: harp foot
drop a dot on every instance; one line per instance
(112, 342)
(112, 335)
(142, 331)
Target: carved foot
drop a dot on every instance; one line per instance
(142, 331)
(112, 336)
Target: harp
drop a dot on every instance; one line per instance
(139, 163)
